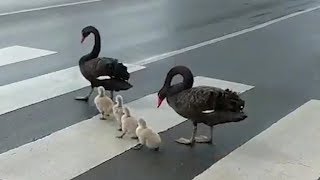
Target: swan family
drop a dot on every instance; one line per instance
(201, 104)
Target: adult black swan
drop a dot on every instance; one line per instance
(92, 67)
(193, 103)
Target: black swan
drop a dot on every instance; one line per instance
(92, 67)
(193, 103)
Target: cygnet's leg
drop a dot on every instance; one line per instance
(190, 141)
(84, 98)
(156, 149)
(119, 123)
(138, 146)
(102, 116)
(121, 136)
(205, 139)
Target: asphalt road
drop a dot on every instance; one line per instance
(131, 30)
(268, 59)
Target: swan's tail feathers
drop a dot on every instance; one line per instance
(121, 71)
(126, 111)
(101, 91)
(119, 100)
(115, 68)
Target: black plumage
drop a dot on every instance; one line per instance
(92, 67)
(201, 104)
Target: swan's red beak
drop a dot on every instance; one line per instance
(83, 38)
(159, 102)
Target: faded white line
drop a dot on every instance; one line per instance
(48, 7)
(13, 96)
(222, 38)
(287, 150)
(76, 149)
(14, 54)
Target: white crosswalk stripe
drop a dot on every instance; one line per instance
(278, 152)
(44, 87)
(15, 54)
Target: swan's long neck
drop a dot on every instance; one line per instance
(97, 44)
(187, 82)
(96, 48)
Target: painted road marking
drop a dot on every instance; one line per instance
(222, 38)
(13, 96)
(287, 150)
(14, 54)
(48, 7)
(76, 149)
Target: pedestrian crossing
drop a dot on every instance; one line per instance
(89, 143)
(276, 153)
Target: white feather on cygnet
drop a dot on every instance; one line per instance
(118, 110)
(103, 103)
(147, 136)
(129, 124)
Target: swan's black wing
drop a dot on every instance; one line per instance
(113, 68)
(192, 102)
(198, 100)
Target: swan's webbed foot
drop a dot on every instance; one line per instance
(156, 149)
(85, 98)
(185, 141)
(134, 137)
(191, 141)
(120, 129)
(138, 146)
(203, 139)
(82, 98)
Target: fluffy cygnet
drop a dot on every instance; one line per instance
(147, 136)
(103, 103)
(129, 124)
(118, 110)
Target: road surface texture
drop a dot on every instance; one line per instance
(267, 50)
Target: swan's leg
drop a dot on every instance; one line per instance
(190, 141)
(84, 98)
(111, 95)
(205, 139)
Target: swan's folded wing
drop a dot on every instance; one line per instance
(199, 99)
(105, 66)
